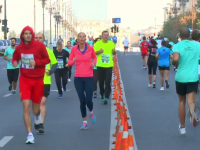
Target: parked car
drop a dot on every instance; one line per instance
(2, 47)
(5, 43)
(9, 43)
(18, 41)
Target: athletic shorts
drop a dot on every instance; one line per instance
(125, 47)
(47, 90)
(163, 68)
(31, 89)
(186, 88)
(144, 54)
(13, 74)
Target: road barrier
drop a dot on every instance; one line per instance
(124, 140)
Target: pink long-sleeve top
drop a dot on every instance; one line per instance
(84, 60)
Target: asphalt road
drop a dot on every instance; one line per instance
(62, 126)
(154, 114)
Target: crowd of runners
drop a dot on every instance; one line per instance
(35, 63)
(184, 56)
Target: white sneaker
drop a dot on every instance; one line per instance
(37, 119)
(30, 139)
(182, 130)
(150, 85)
(162, 89)
(69, 80)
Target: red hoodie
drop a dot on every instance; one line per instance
(34, 50)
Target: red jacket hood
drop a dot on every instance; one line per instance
(33, 36)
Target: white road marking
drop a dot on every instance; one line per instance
(114, 121)
(7, 95)
(57, 90)
(5, 140)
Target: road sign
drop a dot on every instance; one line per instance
(116, 20)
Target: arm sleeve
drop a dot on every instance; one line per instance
(71, 57)
(45, 57)
(16, 56)
(94, 57)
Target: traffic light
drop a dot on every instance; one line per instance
(7, 30)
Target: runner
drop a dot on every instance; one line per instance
(62, 69)
(83, 80)
(186, 57)
(152, 63)
(164, 54)
(95, 75)
(12, 72)
(126, 43)
(105, 50)
(143, 48)
(68, 49)
(34, 58)
(47, 79)
(195, 37)
(90, 41)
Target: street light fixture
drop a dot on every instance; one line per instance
(43, 6)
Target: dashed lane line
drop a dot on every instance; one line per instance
(5, 140)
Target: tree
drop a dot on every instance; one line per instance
(12, 34)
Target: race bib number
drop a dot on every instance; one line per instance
(60, 63)
(105, 58)
(26, 61)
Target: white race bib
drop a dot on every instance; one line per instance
(26, 61)
(60, 63)
(105, 58)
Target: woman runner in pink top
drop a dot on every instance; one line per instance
(85, 58)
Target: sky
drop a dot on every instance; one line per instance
(136, 14)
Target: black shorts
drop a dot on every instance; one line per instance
(186, 88)
(125, 47)
(163, 68)
(13, 75)
(47, 90)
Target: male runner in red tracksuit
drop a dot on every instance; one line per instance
(34, 57)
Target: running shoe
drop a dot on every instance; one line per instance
(64, 88)
(105, 101)
(30, 139)
(182, 130)
(154, 84)
(167, 84)
(84, 126)
(37, 120)
(69, 80)
(162, 89)
(93, 118)
(60, 96)
(13, 92)
(10, 87)
(102, 99)
(193, 119)
(95, 95)
(149, 85)
(41, 128)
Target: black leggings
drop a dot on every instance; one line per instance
(61, 74)
(95, 76)
(152, 65)
(70, 72)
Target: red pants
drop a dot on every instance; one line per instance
(31, 89)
